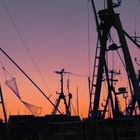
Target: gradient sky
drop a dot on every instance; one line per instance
(56, 33)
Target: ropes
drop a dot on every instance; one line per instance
(121, 60)
(24, 43)
(88, 37)
(79, 75)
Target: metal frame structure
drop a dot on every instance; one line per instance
(106, 20)
(62, 95)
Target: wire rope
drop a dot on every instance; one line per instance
(24, 44)
(88, 30)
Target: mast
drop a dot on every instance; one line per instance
(3, 106)
(77, 101)
(108, 19)
(61, 95)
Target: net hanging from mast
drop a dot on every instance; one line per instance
(12, 84)
(32, 108)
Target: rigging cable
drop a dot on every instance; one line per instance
(121, 60)
(129, 82)
(39, 89)
(35, 110)
(88, 37)
(24, 43)
(6, 72)
(79, 75)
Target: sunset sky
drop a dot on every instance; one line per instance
(56, 34)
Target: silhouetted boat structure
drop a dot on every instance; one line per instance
(118, 125)
(62, 127)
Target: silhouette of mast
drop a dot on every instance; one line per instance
(61, 95)
(105, 21)
(3, 106)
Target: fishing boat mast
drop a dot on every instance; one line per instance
(105, 20)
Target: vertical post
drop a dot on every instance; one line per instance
(139, 76)
(90, 97)
(109, 4)
(103, 34)
(62, 71)
(3, 106)
(62, 96)
(77, 102)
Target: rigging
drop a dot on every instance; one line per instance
(39, 89)
(105, 22)
(24, 44)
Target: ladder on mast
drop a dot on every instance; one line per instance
(94, 78)
(108, 19)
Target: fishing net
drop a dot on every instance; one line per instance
(11, 83)
(35, 110)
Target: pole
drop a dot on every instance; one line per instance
(3, 107)
(77, 102)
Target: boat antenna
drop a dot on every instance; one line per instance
(77, 95)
